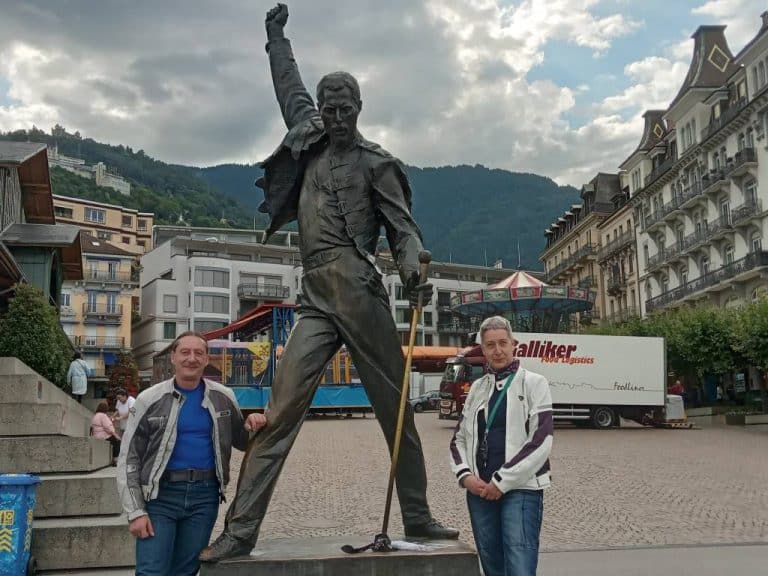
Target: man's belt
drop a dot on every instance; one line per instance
(188, 475)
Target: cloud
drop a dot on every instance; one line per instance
(742, 18)
(443, 81)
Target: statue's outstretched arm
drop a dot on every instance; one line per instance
(296, 104)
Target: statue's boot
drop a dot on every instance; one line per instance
(431, 530)
(225, 546)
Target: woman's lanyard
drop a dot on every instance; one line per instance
(483, 450)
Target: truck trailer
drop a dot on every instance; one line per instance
(594, 380)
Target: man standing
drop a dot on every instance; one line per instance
(342, 189)
(174, 461)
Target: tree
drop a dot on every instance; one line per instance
(751, 339)
(31, 332)
(124, 374)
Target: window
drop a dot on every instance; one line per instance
(62, 212)
(645, 254)
(212, 303)
(664, 284)
(725, 211)
(728, 254)
(101, 235)
(755, 243)
(760, 74)
(95, 215)
(170, 303)
(402, 315)
(683, 276)
(112, 269)
(112, 303)
(92, 300)
(141, 243)
(211, 278)
(630, 258)
(750, 192)
(750, 138)
(65, 299)
(742, 142)
(400, 292)
(648, 291)
(127, 221)
(141, 224)
(428, 340)
(169, 330)
(125, 239)
(208, 325)
(428, 318)
(705, 265)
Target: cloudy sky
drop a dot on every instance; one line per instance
(554, 87)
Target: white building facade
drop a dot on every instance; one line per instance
(698, 181)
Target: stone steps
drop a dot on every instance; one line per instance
(67, 495)
(82, 542)
(23, 419)
(41, 454)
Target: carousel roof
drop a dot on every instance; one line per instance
(519, 279)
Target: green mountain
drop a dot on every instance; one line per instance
(468, 214)
(168, 190)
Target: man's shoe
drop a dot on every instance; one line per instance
(225, 546)
(432, 530)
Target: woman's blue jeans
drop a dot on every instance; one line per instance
(507, 531)
(182, 516)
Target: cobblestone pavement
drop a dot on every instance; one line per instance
(616, 488)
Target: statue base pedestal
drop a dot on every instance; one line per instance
(323, 557)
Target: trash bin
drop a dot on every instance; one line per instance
(17, 504)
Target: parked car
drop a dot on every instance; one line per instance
(428, 401)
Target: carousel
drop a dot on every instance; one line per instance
(528, 303)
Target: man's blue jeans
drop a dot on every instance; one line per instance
(507, 532)
(182, 516)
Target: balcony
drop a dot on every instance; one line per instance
(713, 181)
(652, 219)
(709, 280)
(719, 227)
(671, 207)
(616, 285)
(460, 326)
(690, 195)
(656, 261)
(725, 117)
(674, 252)
(742, 215)
(112, 276)
(744, 159)
(617, 245)
(99, 342)
(586, 283)
(659, 171)
(263, 292)
(622, 316)
(103, 313)
(572, 261)
(67, 314)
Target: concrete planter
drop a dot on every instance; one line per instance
(755, 419)
(735, 419)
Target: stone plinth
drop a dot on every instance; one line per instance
(323, 557)
(67, 495)
(40, 454)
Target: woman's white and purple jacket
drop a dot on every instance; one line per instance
(528, 434)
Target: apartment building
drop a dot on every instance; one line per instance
(205, 278)
(126, 228)
(96, 312)
(695, 180)
(574, 239)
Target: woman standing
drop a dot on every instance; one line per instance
(102, 428)
(500, 455)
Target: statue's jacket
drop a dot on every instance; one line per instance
(371, 193)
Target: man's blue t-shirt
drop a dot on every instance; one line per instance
(194, 434)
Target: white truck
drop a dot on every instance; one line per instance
(593, 379)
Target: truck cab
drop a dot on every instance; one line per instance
(460, 371)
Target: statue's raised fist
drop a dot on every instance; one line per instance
(277, 16)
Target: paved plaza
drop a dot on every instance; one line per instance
(628, 487)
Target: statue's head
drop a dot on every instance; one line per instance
(338, 98)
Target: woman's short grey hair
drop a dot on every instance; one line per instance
(495, 323)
